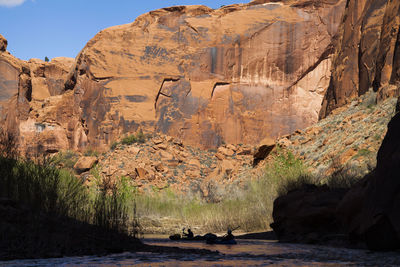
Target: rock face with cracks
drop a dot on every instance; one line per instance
(33, 104)
(366, 54)
(233, 75)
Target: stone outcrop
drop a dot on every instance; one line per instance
(307, 214)
(85, 164)
(368, 212)
(367, 53)
(264, 149)
(233, 75)
(31, 104)
(371, 209)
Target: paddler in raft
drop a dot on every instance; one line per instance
(189, 235)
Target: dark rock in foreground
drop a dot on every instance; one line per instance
(368, 213)
(371, 210)
(308, 215)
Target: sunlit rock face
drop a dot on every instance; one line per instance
(234, 75)
(367, 53)
(31, 97)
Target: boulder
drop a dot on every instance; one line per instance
(165, 156)
(219, 156)
(226, 151)
(194, 164)
(244, 151)
(141, 172)
(162, 146)
(84, 164)
(265, 147)
(307, 215)
(160, 167)
(226, 167)
(194, 173)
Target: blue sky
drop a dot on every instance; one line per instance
(53, 28)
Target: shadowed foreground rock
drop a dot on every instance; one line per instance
(371, 210)
(368, 212)
(307, 215)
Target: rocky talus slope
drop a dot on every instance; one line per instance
(350, 137)
(165, 162)
(364, 215)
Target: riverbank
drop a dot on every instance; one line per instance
(26, 235)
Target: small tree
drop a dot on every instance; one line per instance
(46, 59)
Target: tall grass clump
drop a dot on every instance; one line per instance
(115, 206)
(44, 188)
(343, 177)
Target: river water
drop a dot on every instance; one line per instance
(246, 253)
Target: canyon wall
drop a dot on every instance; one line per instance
(27, 90)
(235, 75)
(366, 55)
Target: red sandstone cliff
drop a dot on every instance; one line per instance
(26, 89)
(367, 53)
(234, 75)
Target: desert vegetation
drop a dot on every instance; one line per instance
(48, 186)
(138, 137)
(248, 206)
(44, 188)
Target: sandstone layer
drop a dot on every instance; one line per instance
(233, 75)
(367, 53)
(31, 93)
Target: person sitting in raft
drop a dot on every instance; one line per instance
(228, 236)
(189, 234)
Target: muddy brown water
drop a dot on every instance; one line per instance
(245, 253)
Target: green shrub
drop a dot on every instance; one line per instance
(287, 173)
(114, 145)
(129, 140)
(139, 137)
(91, 153)
(65, 159)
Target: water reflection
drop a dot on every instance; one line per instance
(246, 253)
